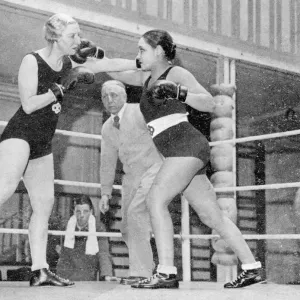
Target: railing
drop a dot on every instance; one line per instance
(258, 31)
(270, 24)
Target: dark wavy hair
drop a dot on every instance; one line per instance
(163, 38)
(83, 199)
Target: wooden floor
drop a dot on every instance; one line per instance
(113, 291)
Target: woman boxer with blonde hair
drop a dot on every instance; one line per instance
(25, 145)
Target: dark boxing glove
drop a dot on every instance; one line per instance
(70, 79)
(163, 90)
(76, 75)
(87, 49)
(58, 91)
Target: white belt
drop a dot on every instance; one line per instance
(157, 126)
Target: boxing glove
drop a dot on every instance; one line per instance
(87, 49)
(163, 90)
(76, 75)
(57, 90)
(69, 80)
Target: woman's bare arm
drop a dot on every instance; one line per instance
(28, 83)
(198, 97)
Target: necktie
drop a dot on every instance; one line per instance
(116, 122)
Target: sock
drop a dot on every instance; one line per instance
(39, 267)
(255, 265)
(166, 269)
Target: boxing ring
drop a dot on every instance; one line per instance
(112, 291)
(188, 290)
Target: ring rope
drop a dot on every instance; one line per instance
(70, 133)
(258, 137)
(178, 236)
(225, 189)
(59, 232)
(79, 134)
(83, 184)
(237, 140)
(273, 186)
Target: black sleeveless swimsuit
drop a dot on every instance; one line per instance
(38, 128)
(181, 140)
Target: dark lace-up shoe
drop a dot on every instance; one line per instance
(158, 281)
(44, 277)
(246, 278)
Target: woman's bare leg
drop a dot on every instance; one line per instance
(39, 181)
(172, 178)
(14, 154)
(201, 196)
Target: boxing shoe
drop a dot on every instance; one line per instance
(246, 278)
(131, 280)
(158, 281)
(44, 277)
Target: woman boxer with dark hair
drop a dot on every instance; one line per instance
(167, 90)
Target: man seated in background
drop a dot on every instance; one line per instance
(82, 257)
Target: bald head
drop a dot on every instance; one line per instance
(113, 95)
(113, 82)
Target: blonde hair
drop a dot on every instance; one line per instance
(55, 25)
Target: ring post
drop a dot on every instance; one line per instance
(223, 165)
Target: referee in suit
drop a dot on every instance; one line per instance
(126, 136)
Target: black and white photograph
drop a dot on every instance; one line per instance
(150, 149)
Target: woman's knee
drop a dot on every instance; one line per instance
(157, 208)
(9, 180)
(213, 221)
(7, 189)
(42, 204)
(159, 196)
